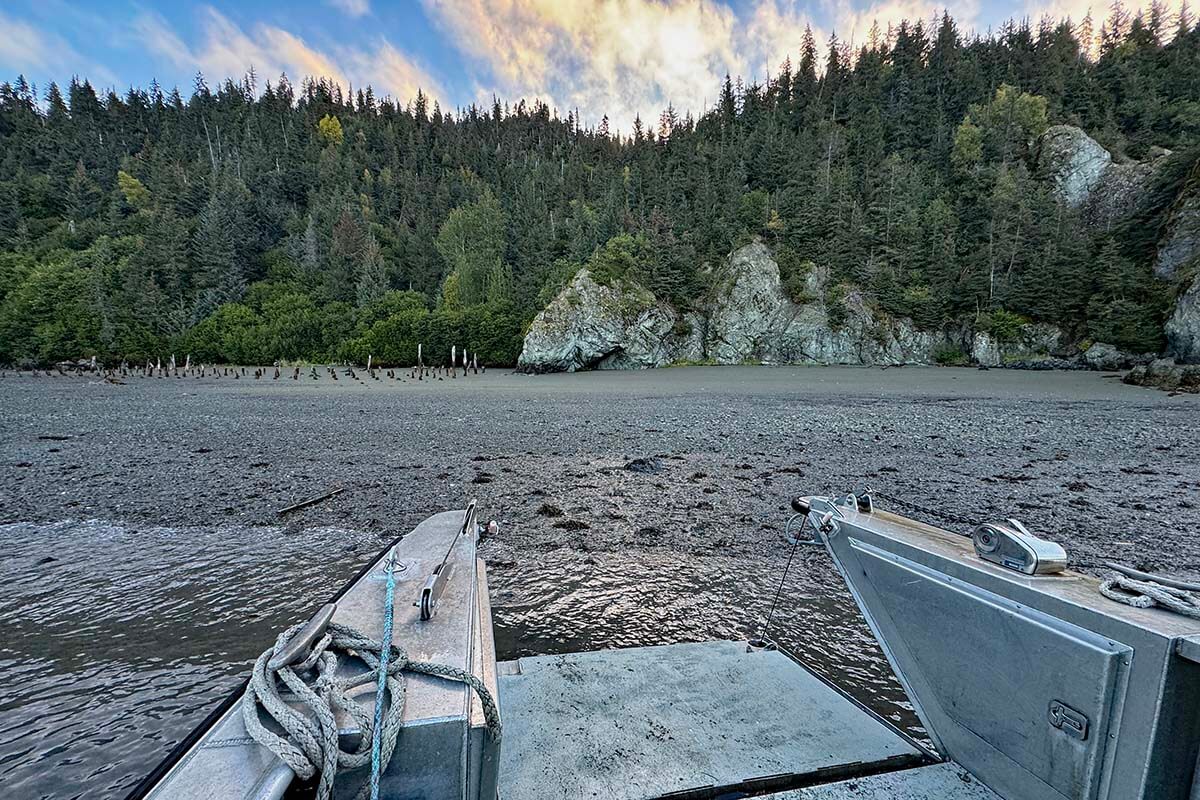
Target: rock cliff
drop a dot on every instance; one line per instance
(747, 318)
(1033, 343)
(750, 318)
(1180, 245)
(1074, 163)
(1085, 176)
(594, 326)
(1183, 327)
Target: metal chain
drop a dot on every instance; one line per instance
(944, 516)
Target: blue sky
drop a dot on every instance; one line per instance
(613, 57)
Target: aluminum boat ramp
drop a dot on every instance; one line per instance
(705, 720)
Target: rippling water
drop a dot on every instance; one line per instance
(115, 649)
(565, 601)
(118, 646)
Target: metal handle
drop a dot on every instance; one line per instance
(297, 649)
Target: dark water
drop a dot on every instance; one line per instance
(564, 601)
(115, 649)
(118, 647)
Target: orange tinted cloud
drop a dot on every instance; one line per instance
(627, 58)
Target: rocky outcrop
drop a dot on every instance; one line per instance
(1183, 327)
(1121, 190)
(1086, 177)
(1180, 245)
(1073, 161)
(1104, 357)
(747, 318)
(1164, 373)
(593, 326)
(750, 318)
(747, 309)
(1034, 342)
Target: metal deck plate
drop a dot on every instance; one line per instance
(649, 721)
(935, 782)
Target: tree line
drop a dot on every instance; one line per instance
(258, 221)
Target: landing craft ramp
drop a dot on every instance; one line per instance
(713, 719)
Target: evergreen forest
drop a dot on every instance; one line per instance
(255, 220)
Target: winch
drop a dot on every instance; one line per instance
(1011, 545)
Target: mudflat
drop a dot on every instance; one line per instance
(1108, 469)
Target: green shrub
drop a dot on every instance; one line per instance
(922, 307)
(793, 274)
(754, 212)
(619, 257)
(1126, 324)
(835, 306)
(950, 356)
(1004, 326)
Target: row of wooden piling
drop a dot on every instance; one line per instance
(417, 372)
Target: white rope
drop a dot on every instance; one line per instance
(1148, 594)
(309, 745)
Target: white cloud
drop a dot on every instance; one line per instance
(23, 46)
(153, 32)
(27, 49)
(224, 50)
(385, 66)
(775, 31)
(625, 58)
(355, 8)
(616, 57)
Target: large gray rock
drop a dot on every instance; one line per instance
(1164, 373)
(1180, 245)
(1183, 328)
(1121, 189)
(1103, 356)
(594, 326)
(1085, 176)
(747, 308)
(751, 319)
(1034, 342)
(1073, 161)
(748, 318)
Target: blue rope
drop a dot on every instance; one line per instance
(385, 652)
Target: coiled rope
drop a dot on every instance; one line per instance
(1144, 590)
(309, 745)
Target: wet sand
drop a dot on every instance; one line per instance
(182, 479)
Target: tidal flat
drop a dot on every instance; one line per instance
(146, 564)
